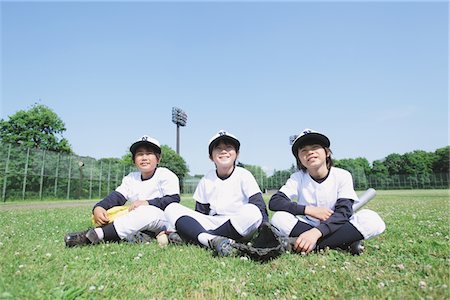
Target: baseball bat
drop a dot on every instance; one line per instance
(364, 198)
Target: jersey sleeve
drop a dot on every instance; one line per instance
(169, 186)
(124, 187)
(249, 185)
(199, 193)
(346, 189)
(290, 188)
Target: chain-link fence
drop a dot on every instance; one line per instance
(27, 173)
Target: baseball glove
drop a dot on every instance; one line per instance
(267, 245)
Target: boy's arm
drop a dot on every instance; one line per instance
(280, 202)
(164, 201)
(343, 210)
(113, 199)
(202, 208)
(257, 199)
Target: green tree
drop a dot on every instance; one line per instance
(278, 179)
(380, 174)
(174, 162)
(393, 163)
(417, 162)
(37, 127)
(441, 162)
(360, 169)
(258, 173)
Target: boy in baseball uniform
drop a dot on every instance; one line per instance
(229, 203)
(315, 204)
(148, 191)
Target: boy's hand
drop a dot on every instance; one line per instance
(306, 242)
(137, 203)
(100, 216)
(320, 213)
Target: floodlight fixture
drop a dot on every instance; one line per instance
(179, 117)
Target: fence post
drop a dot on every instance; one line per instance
(109, 175)
(90, 181)
(68, 180)
(57, 174)
(6, 173)
(100, 181)
(25, 175)
(42, 176)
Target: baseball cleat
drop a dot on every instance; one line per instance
(356, 248)
(175, 238)
(81, 238)
(222, 246)
(140, 237)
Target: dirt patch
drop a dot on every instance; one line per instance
(13, 206)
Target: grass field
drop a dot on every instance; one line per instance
(409, 261)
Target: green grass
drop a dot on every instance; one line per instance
(409, 261)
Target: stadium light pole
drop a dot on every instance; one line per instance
(179, 117)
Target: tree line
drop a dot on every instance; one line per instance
(40, 127)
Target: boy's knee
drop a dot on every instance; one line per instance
(278, 218)
(369, 223)
(252, 212)
(283, 221)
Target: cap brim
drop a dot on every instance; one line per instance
(310, 139)
(223, 137)
(134, 147)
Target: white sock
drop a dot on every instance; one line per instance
(204, 237)
(99, 232)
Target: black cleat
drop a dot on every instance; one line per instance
(175, 239)
(81, 238)
(356, 248)
(222, 246)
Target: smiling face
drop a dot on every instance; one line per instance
(314, 158)
(224, 155)
(146, 160)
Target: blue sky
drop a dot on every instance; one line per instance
(372, 76)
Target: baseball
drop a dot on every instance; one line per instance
(162, 239)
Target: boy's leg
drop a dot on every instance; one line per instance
(144, 217)
(286, 222)
(242, 225)
(368, 222)
(189, 229)
(346, 235)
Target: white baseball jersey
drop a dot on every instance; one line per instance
(164, 182)
(301, 186)
(226, 197)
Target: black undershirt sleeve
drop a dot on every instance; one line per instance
(257, 199)
(202, 208)
(164, 201)
(280, 202)
(343, 210)
(113, 199)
